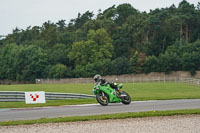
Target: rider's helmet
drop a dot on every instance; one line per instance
(97, 78)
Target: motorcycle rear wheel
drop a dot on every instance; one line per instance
(125, 99)
(102, 99)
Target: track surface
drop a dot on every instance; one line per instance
(96, 109)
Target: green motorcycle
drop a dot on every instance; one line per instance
(106, 94)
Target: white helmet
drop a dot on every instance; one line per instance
(97, 78)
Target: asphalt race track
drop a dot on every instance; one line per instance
(96, 109)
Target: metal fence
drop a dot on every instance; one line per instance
(8, 96)
(123, 80)
(160, 79)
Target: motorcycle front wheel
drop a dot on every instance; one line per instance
(126, 99)
(102, 98)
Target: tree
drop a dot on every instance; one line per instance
(15, 37)
(100, 36)
(110, 13)
(8, 59)
(151, 64)
(134, 63)
(58, 71)
(137, 27)
(118, 40)
(98, 47)
(137, 62)
(186, 14)
(169, 62)
(120, 65)
(84, 52)
(49, 33)
(66, 38)
(61, 25)
(191, 62)
(123, 12)
(31, 63)
(58, 54)
(82, 19)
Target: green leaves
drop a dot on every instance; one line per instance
(58, 71)
(177, 57)
(32, 63)
(151, 64)
(97, 48)
(84, 52)
(191, 62)
(8, 59)
(22, 62)
(100, 36)
(165, 40)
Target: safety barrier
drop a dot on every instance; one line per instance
(9, 96)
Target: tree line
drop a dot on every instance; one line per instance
(118, 40)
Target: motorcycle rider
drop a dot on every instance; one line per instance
(99, 79)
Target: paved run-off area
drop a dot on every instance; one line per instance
(165, 124)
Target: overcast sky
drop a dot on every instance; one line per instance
(24, 13)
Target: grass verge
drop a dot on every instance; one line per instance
(137, 91)
(102, 117)
(48, 103)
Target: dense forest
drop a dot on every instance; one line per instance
(118, 40)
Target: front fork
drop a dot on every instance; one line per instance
(103, 95)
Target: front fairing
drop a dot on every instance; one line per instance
(108, 90)
(98, 88)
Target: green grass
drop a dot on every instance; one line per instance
(102, 117)
(162, 91)
(137, 91)
(65, 88)
(48, 103)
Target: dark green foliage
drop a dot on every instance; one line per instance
(191, 62)
(168, 63)
(22, 63)
(8, 59)
(179, 56)
(123, 12)
(119, 66)
(119, 40)
(58, 54)
(58, 71)
(151, 64)
(31, 63)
